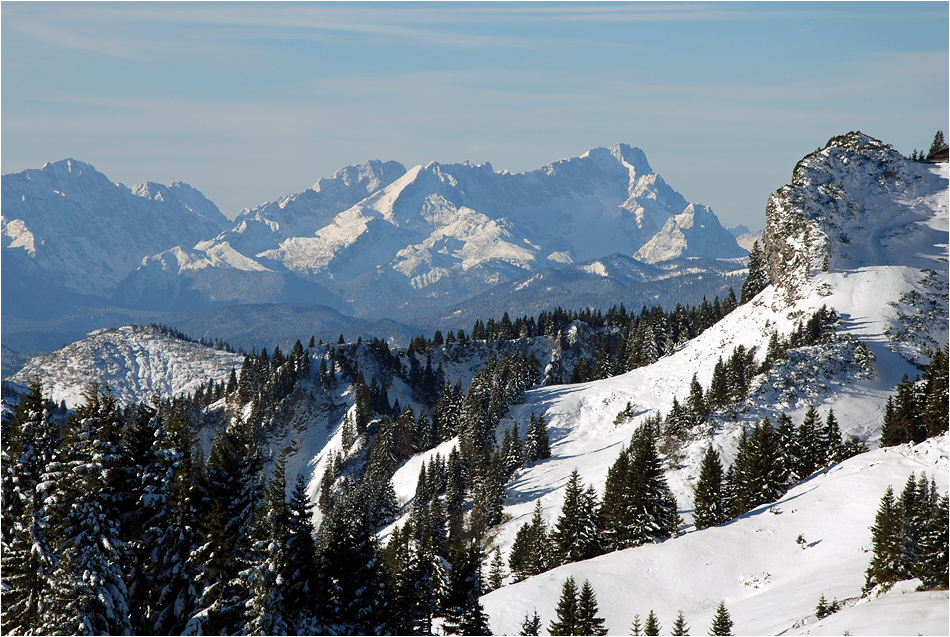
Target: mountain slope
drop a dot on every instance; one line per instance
(769, 581)
(134, 362)
(67, 227)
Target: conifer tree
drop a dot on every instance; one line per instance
(722, 622)
(757, 278)
(932, 564)
(496, 575)
(463, 612)
(170, 532)
(936, 414)
(638, 506)
(30, 465)
(531, 625)
(939, 144)
(587, 621)
(566, 610)
(652, 626)
(576, 535)
(831, 443)
(680, 627)
(886, 545)
(89, 595)
(636, 628)
(708, 498)
(225, 550)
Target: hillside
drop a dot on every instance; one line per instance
(770, 582)
(847, 298)
(134, 362)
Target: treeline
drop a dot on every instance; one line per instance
(919, 409)
(576, 614)
(113, 523)
(909, 538)
(637, 508)
(215, 343)
(769, 461)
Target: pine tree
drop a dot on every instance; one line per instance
(679, 625)
(89, 595)
(932, 564)
(531, 625)
(722, 622)
(635, 628)
(576, 535)
(652, 627)
(707, 493)
(170, 532)
(567, 610)
(939, 144)
(30, 465)
(886, 545)
(757, 278)
(587, 621)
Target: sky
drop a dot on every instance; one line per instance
(248, 102)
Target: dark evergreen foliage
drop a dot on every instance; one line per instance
(722, 622)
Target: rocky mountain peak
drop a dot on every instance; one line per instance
(844, 204)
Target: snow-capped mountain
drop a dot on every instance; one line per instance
(436, 234)
(134, 362)
(67, 228)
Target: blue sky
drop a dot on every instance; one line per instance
(248, 102)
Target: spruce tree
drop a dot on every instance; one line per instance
(708, 509)
(932, 562)
(652, 626)
(636, 628)
(757, 279)
(831, 440)
(567, 610)
(887, 548)
(170, 529)
(89, 595)
(680, 627)
(587, 621)
(576, 535)
(531, 625)
(31, 463)
(722, 622)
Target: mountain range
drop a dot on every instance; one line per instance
(372, 241)
(859, 230)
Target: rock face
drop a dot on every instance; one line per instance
(851, 204)
(695, 232)
(68, 230)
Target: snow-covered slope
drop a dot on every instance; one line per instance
(769, 581)
(135, 362)
(893, 303)
(442, 233)
(695, 232)
(67, 227)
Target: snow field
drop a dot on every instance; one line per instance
(768, 580)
